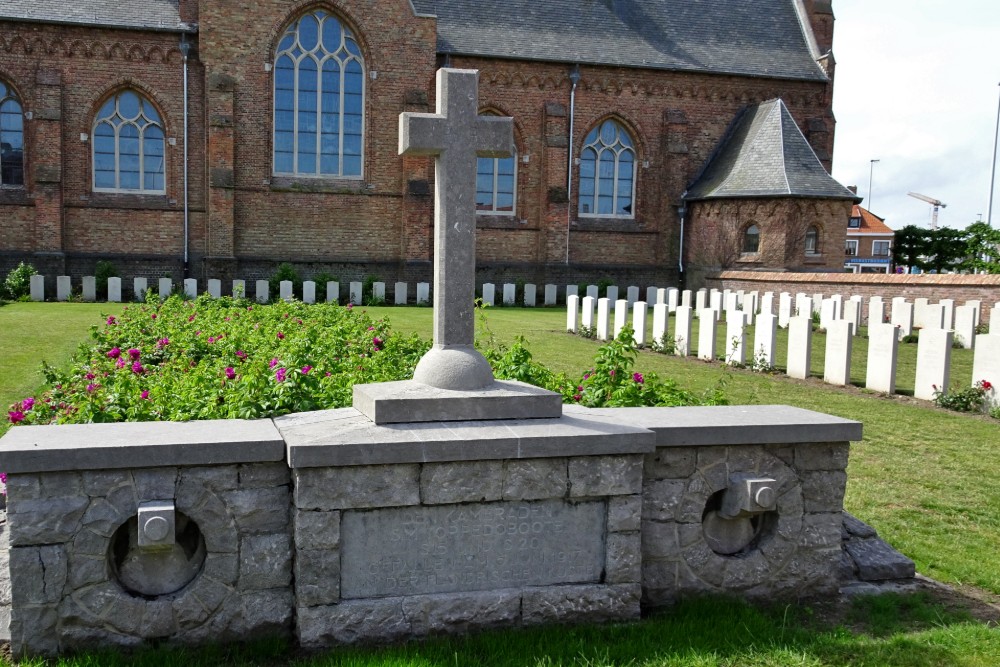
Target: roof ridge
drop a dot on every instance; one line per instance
(781, 136)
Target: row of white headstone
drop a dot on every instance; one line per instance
(165, 287)
(604, 320)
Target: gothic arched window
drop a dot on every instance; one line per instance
(751, 239)
(607, 172)
(128, 146)
(11, 138)
(496, 185)
(319, 89)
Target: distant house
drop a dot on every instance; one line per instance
(868, 248)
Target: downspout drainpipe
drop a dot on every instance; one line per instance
(185, 47)
(681, 213)
(574, 77)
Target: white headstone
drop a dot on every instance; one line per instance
(651, 295)
(706, 335)
(919, 312)
(948, 305)
(731, 303)
(530, 295)
(740, 294)
(978, 306)
(995, 319)
(765, 339)
(934, 316)
(986, 365)
(749, 312)
(191, 288)
(423, 293)
(897, 302)
(883, 350)
(603, 318)
(754, 301)
(114, 289)
(509, 294)
(715, 301)
(784, 309)
(827, 313)
(166, 287)
(592, 290)
(573, 289)
(933, 362)
(767, 304)
(838, 306)
(902, 317)
(333, 291)
(89, 287)
(632, 295)
(285, 291)
(682, 331)
(639, 322)
(621, 315)
(489, 294)
(64, 287)
(686, 298)
(309, 291)
(799, 363)
(876, 311)
(803, 306)
(673, 298)
(401, 293)
(572, 313)
(837, 366)
(852, 314)
(817, 302)
(262, 291)
(587, 305)
(660, 313)
(612, 293)
(239, 288)
(378, 292)
(736, 341)
(139, 288)
(700, 302)
(354, 292)
(214, 288)
(552, 294)
(965, 326)
(37, 286)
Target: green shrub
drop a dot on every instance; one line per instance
(321, 279)
(18, 282)
(969, 399)
(368, 292)
(102, 272)
(285, 271)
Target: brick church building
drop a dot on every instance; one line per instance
(210, 138)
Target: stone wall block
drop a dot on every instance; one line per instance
(77, 630)
(710, 456)
(158, 619)
(33, 630)
(85, 569)
(777, 548)
(662, 498)
(265, 562)
(23, 487)
(357, 487)
(659, 540)
(90, 543)
(267, 613)
(103, 482)
(704, 564)
(190, 494)
(211, 594)
(624, 514)
(784, 453)
(821, 530)
(317, 530)
(214, 478)
(660, 575)
(124, 500)
(61, 484)
(222, 566)
(189, 613)
(743, 573)
(217, 525)
(98, 599)
(352, 622)
(535, 479)
(317, 577)
(580, 604)
(746, 459)
(822, 456)
(263, 475)
(823, 491)
(605, 476)
(102, 517)
(259, 510)
(155, 483)
(688, 534)
(670, 462)
(716, 475)
(45, 520)
(624, 561)
(460, 613)
(38, 574)
(461, 482)
(692, 506)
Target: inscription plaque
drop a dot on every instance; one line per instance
(453, 548)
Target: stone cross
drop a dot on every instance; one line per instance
(455, 135)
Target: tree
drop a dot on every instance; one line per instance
(947, 250)
(910, 247)
(982, 248)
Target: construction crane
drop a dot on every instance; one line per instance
(936, 203)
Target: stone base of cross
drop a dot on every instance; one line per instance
(453, 370)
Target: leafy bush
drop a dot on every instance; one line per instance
(102, 272)
(969, 399)
(368, 292)
(18, 282)
(321, 279)
(285, 271)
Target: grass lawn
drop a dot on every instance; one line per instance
(924, 477)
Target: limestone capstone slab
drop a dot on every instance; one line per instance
(412, 551)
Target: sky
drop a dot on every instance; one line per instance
(916, 87)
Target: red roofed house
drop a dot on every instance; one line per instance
(868, 248)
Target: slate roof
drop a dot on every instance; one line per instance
(870, 223)
(144, 14)
(745, 37)
(764, 154)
